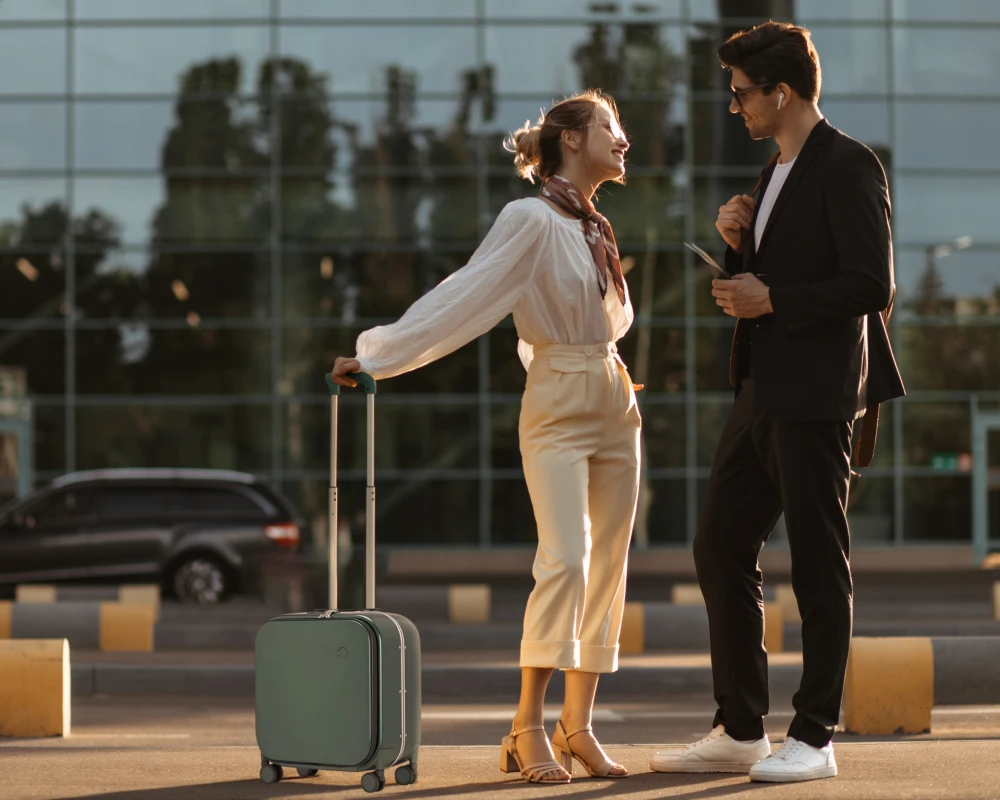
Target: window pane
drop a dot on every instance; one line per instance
(506, 450)
(133, 359)
(180, 209)
(709, 194)
(188, 285)
(935, 432)
(808, 10)
(410, 511)
(938, 509)
(50, 438)
(117, 60)
(176, 9)
(33, 10)
(385, 58)
(513, 519)
(864, 120)
(563, 9)
(947, 60)
(853, 59)
(362, 284)
(960, 282)
(938, 210)
(713, 346)
(129, 501)
(32, 287)
(41, 352)
(648, 208)
(663, 434)
(506, 372)
(870, 510)
(947, 134)
(667, 521)
(310, 353)
(936, 11)
(392, 209)
(44, 49)
(711, 419)
(557, 60)
(32, 210)
(411, 436)
(949, 358)
(664, 356)
(132, 435)
(33, 135)
(659, 273)
(720, 139)
(372, 9)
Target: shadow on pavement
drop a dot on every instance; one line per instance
(228, 790)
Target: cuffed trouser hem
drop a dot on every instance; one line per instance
(550, 655)
(812, 733)
(598, 659)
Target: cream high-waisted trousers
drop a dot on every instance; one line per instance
(579, 432)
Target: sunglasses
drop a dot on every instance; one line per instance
(612, 125)
(738, 93)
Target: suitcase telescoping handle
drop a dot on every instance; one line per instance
(367, 382)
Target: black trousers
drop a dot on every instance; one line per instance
(764, 466)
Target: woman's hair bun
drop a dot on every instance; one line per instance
(526, 145)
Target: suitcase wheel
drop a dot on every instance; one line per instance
(406, 774)
(372, 782)
(271, 773)
(307, 773)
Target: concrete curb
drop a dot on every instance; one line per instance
(439, 683)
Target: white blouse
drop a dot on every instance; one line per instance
(535, 263)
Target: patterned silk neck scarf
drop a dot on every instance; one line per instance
(596, 232)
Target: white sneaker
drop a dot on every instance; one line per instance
(717, 752)
(796, 761)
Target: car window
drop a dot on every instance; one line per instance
(215, 502)
(61, 508)
(121, 502)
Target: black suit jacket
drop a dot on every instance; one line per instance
(826, 255)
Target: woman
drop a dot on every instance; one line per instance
(552, 261)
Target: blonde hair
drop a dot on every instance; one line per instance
(536, 147)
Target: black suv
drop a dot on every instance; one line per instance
(202, 533)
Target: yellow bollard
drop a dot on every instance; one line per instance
(996, 600)
(141, 594)
(469, 604)
(686, 594)
(632, 640)
(126, 628)
(35, 690)
(785, 595)
(890, 686)
(6, 610)
(35, 593)
(774, 628)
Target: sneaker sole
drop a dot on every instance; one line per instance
(790, 777)
(707, 766)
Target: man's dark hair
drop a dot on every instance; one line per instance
(776, 52)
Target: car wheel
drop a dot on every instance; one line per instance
(201, 580)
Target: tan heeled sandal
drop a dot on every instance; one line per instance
(560, 741)
(510, 761)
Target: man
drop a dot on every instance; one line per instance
(812, 287)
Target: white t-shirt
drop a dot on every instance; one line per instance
(767, 201)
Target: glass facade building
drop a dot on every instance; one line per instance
(202, 202)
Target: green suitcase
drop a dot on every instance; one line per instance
(340, 690)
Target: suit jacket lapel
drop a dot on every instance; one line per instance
(750, 250)
(817, 137)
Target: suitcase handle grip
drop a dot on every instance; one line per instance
(366, 381)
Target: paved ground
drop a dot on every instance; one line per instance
(194, 748)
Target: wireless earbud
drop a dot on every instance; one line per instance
(781, 99)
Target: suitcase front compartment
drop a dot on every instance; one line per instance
(317, 692)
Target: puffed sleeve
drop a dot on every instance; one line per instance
(466, 304)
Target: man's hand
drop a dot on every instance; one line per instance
(735, 216)
(744, 297)
(341, 367)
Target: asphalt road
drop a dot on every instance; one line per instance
(165, 748)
